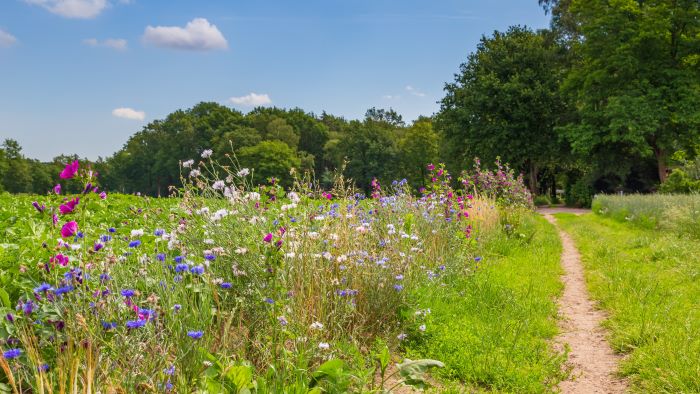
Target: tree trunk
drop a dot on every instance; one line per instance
(661, 163)
(533, 178)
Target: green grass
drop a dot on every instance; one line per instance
(493, 327)
(649, 283)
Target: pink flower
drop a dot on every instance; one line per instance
(268, 238)
(103, 195)
(59, 259)
(57, 189)
(55, 219)
(69, 229)
(69, 206)
(70, 170)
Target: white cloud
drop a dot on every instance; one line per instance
(197, 35)
(414, 92)
(391, 97)
(129, 113)
(6, 39)
(81, 9)
(252, 100)
(114, 43)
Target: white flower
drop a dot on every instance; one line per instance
(402, 336)
(195, 173)
(422, 327)
(241, 250)
(188, 163)
(323, 345)
(136, 233)
(207, 153)
(218, 215)
(253, 196)
(243, 172)
(219, 185)
(327, 255)
(293, 197)
(316, 326)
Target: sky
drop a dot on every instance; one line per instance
(81, 76)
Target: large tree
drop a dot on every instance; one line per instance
(505, 102)
(637, 84)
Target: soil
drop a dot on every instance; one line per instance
(592, 362)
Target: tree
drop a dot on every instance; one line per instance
(505, 102)
(418, 147)
(279, 130)
(270, 159)
(370, 151)
(636, 87)
(18, 176)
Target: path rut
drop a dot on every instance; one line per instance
(591, 359)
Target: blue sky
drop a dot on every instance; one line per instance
(81, 76)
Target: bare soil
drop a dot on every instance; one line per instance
(592, 362)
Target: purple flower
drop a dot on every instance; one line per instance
(106, 238)
(43, 368)
(70, 170)
(135, 243)
(170, 371)
(177, 307)
(103, 196)
(69, 229)
(268, 238)
(104, 278)
(69, 206)
(182, 267)
(477, 259)
(158, 232)
(195, 334)
(98, 246)
(210, 257)
(269, 300)
(112, 230)
(12, 353)
(10, 318)
(160, 256)
(57, 189)
(283, 321)
(64, 289)
(197, 270)
(132, 324)
(109, 325)
(38, 207)
(127, 293)
(226, 285)
(398, 287)
(178, 259)
(42, 288)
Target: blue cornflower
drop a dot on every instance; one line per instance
(112, 230)
(160, 256)
(399, 277)
(226, 285)
(158, 232)
(64, 289)
(442, 267)
(106, 238)
(12, 353)
(269, 300)
(398, 287)
(42, 288)
(135, 243)
(131, 324)
(80, 235)
(177, 278)
(43, 368)
(104, 278)
(178, 259)
(210, 257)
(170, 371)
(477, 259)
(109, 325)
(197, 270)
(177, 307)
(195, 334)
(182, 267)
(127, 293)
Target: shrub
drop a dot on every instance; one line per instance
(542, 200)
(499, 184)
(580, 194)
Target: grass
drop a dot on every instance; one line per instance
(649, 283)
(493, 326)
(678, 213)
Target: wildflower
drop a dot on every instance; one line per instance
(399, 277)
(197, 270)
(177, 307)
(178, 259)
(269, 300)
(225, 285)
(160, 256)
(135, 243)
(57, 189)
(43, 368)
(131, 324)
(207, 153)
(44, 287)
(398, 287)
(112, 230)
(135, 233)
(268, 238)
(182, 267)
(70, 170)
(195, 173)
(243, 172)
(64, 290)
(104, 278)
(316, 326)
(188, 163)
(69, 229)
(195, 334)
(283, 320)
(10, 318)
(60, 260)
(422, 327)
(109, 325)
(210, 257)
(12, 353)
(98, 246)
(401, 336)
(477, 259)
(323, 345)
(127, 293)
(158, 232)
(219, 185)
(103, 196)
(38, 207)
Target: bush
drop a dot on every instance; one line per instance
(499, 184)
(541, 201)
(680, 182)
(580, 194)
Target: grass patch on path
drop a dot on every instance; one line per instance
(492, 328)
(649, 283)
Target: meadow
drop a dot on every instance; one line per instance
(230, 287)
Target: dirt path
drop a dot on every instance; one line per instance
(593, 363)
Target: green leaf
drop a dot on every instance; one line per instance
(331, 370)
(413, 371)
(5, 298)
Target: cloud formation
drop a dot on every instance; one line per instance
(113, 43)
(6, 39)
(79, 9)
(197, 35)
(251, 100)
(410, 89)
(129, 113)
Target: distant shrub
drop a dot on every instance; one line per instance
(499, 184)
(580, 194)
(680, 181)
(541, 201)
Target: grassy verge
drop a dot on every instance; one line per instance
(492, 327)
(649, 282)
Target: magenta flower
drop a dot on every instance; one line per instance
(60, 260)
(70, 170)
(69, 229)
(103, 195)
(55, 219)
(57, 189)
(69, 206)
(268, 238)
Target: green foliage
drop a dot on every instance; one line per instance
(541, 201)
(270, 159)
(580, 194)
(646, 281)
(680, 182)
(492, 325)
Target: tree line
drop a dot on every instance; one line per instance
(606, 99)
